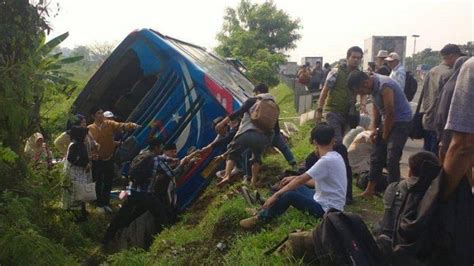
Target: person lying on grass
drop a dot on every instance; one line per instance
(328, 174)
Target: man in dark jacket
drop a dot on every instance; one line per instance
(248, 136)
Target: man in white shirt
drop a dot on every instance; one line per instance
(398, 71)
(328, 175)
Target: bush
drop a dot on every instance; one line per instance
(36, 231)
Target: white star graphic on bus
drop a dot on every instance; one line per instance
(176, 117)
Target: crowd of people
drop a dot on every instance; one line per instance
(348, 140)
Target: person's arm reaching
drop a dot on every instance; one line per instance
(122, 126)
(240, 112)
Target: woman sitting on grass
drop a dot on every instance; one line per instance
(328, 174)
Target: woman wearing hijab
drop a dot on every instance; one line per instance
(37, 151)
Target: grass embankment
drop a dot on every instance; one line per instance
(214, 218)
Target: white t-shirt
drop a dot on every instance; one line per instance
(329, 173)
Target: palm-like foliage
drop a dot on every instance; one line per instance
(26, 84)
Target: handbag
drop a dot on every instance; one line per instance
(417, 130)
(84, 192)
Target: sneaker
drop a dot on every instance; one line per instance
(249, 223)
(108, 209)
(100, 210)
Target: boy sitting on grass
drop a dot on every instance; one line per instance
(328, 174)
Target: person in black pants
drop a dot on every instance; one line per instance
(144, 198)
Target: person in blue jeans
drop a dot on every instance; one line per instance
(279, 143)
(327, 175)
(390, 125)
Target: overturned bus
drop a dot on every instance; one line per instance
(180, 88)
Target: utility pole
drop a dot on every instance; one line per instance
(414, 50)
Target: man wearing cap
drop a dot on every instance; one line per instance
(398, 71)
(380, 64)
(432, 85)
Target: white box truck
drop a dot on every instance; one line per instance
(374, 44)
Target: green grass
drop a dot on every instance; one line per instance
(284, 97)
(215, 217)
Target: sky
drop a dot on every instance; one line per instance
(329, 27)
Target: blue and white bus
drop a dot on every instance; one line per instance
(153, 79)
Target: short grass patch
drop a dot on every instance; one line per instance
(214, 218)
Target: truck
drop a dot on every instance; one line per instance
(374, 44)
(312, 60)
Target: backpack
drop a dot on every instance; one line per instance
(434, 231)
(345, 239)
(392, 201)
(411, 85)
(264, 114)
(141, 167)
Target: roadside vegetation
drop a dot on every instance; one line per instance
(38, 83)
(214, 218)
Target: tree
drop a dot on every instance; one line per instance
(433, 58)
(29, 75)
(100, 51)
(425, 57)
(259, 35)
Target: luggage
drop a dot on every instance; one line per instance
(433, 231)
(142, 167)
(411, 86)
(345, 239)
(392, 200)
(264, 114)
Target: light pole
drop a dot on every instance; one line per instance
(414, 49)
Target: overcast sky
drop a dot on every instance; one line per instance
(329, 27)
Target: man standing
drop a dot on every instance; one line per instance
(391, 107)
(102, 131)
(380, 64)
(317, 76)
(336, 99)
(327, 69)
(459, 162)
(432, 85)
(398, 71)
(304, 74)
